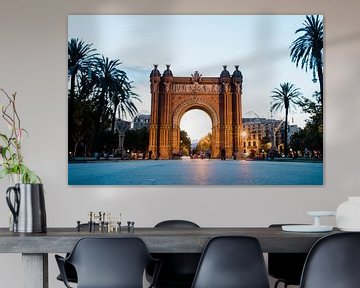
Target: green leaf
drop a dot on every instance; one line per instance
(27, 175)
(3, 152)
(26, 132)
(4, 137)
(4, 172)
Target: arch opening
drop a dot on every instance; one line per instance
(196, 133)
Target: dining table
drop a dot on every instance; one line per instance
(35, 247)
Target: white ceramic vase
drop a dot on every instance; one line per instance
(348, 215)
(15, 179)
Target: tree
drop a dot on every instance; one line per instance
(122, 102)
(83, 125)
(137, 140)
(312, 134)
(297, 141)
(204, 144)
(307, 50)
(81, 58)
(108, 83)
(309, 138)
(284, 98)
(106, 92)
(185, 143)
(265, 143)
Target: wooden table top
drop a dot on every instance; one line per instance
(158, 240)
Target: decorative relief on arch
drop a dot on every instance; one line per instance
(196, 88)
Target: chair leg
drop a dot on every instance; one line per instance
(279, 281)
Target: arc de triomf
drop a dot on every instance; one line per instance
(172, 97)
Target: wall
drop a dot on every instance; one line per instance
(33, 63)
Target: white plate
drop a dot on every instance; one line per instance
(321, 213)
(306, 228)
(350, 229)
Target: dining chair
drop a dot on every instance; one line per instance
(333, 262)
(108, 263)
(178, 269)
(231, 262)
(285, 267)
(69, 269)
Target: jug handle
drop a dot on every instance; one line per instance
(13, 208)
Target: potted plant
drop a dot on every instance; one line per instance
(26, 197)
(12, 161)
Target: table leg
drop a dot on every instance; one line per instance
(35, 270)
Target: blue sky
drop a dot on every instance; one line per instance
(259, 44)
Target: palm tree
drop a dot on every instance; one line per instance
(109, 82)
(122, 102)
(308, 48)
(81, 58)
(285, 97)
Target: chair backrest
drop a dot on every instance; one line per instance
(232, 262)
(333, 262)
(178, 269)
(286, 266)
(110, 262)
(176, 224)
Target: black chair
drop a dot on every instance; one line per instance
(176, 224)
(286, 267)
(108, 263)
(69, 269)
(333, 262)
(178, 269)
(232, 262)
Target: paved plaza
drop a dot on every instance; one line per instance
(195, 172)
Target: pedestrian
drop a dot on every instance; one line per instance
(223, 153)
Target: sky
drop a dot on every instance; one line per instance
(259, 44)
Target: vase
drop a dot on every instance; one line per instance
(27, 205)
(15, 179)
(348, 215)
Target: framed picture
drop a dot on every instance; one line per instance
(195, 100)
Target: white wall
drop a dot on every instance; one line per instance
(33, 62)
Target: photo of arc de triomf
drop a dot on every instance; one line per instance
(172, 97)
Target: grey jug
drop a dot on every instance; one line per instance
(27, 207)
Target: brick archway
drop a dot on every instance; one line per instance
(190, 104)
(172, 97)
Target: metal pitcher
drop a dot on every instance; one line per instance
(27, 207)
